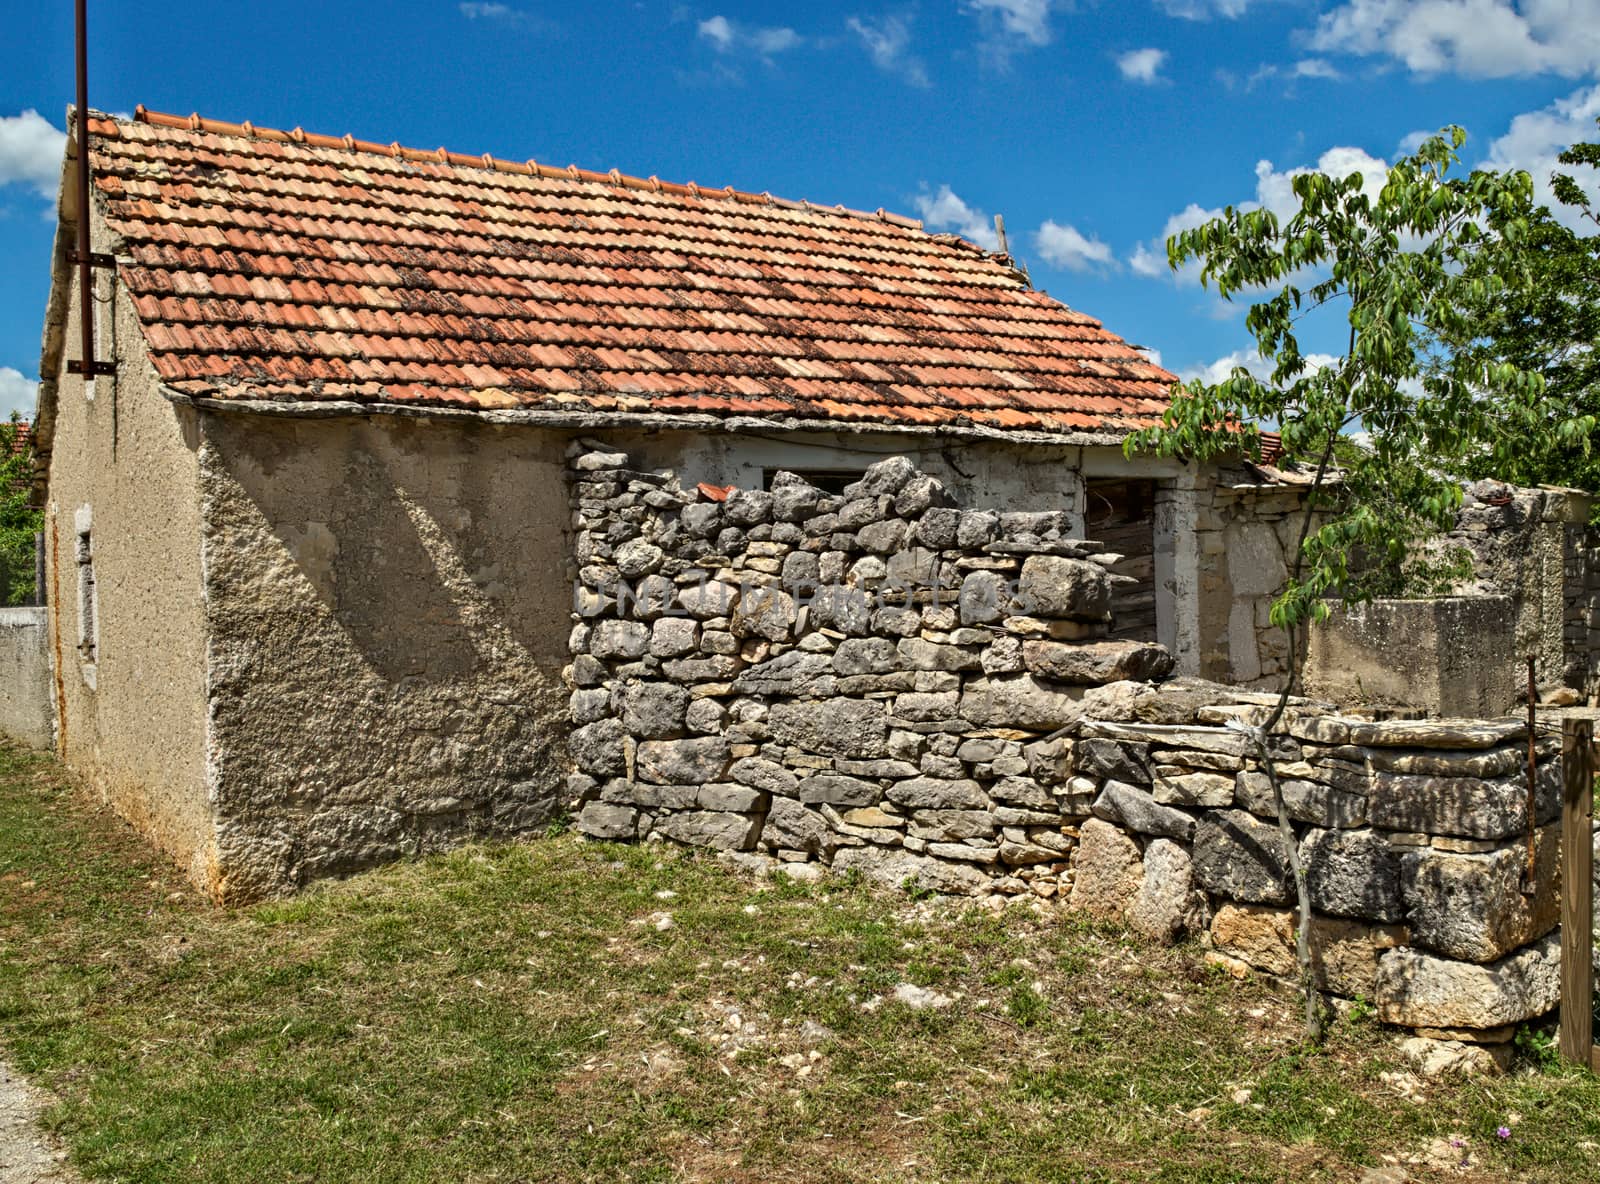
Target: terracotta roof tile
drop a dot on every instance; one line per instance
(283, 265)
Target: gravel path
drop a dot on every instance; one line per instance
(27, 1154)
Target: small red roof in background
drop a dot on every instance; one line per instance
(288, 266)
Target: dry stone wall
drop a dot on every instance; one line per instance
(883, 682)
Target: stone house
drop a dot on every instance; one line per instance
(310, 549)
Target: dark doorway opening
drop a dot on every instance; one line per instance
(1121, 514)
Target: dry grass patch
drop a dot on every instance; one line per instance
(565, 1011)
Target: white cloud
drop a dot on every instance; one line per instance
(945, 211)
(1475, 38)
(488, 12)
(17, 393)
(1251, 360)
(1535, 139)
(31, 150)
(1142, 65)
(1314, 68)
(1065, 246)
(1274, 191)
(888, 43)
(1204, 10)
(728, 36)
(1009, 26)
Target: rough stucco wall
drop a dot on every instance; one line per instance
(134, 722)
(26, 713)
(387, 612)
(1448, 657)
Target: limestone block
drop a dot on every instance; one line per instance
(1056, 586)
(837, 790)
(1305, 801)
(613, 640)
(1408, 733)
(882, 538)
(935, 705)
(701, 520)
(706, 716)
(898, 868)
(919, 495)
(1196, 739)
(1464, 806)
(1136, 810)
(1481, 763)
(636, 558)
(602, 820)
(887, 476)
(951, 826)
(865, 655)
(1352, 873)
(1108, 873)
(793, 497)
(1096, 662)
(937, 528)
(933, 793)
(985, 597)
(654, 710)
(672, 637)
(1049, 761)
(1130, 762)
(598, 460)
(764, 612)
(840, 727)
(977, 529)
(597, 747)
(1174, 787)
(1241, 858)
(797, 672)
(719, 829)
(1472, 907)
(709, 598)
(1167, 904)
(586, 706)
(1022, 791)
(795, 827)
(767, 776)
(683, 762)
(738, 798)
(917, 654)
(1419, 989)
(1019, 854)
(1018, 701)
(1344, 954)
(1255, 560)
(847, 610)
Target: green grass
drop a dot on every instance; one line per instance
(514, 1013)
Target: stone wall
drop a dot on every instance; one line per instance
(1535, 546)
(1246, 533)
(885, 683)
(26, 712)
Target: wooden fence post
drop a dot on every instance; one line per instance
(1577, 891)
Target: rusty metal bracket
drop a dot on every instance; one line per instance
(96, 258)
(93, 369)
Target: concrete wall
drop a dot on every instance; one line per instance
(26, 713)
(1448, 657)
(386, 610)
(131, 713)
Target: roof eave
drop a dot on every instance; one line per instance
(588, 420)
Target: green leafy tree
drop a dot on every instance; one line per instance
(1399, 267)
(19, 522)
(1550, 326)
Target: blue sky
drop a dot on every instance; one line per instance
(1095, 128)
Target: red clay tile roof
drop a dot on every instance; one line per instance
(287, 266)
